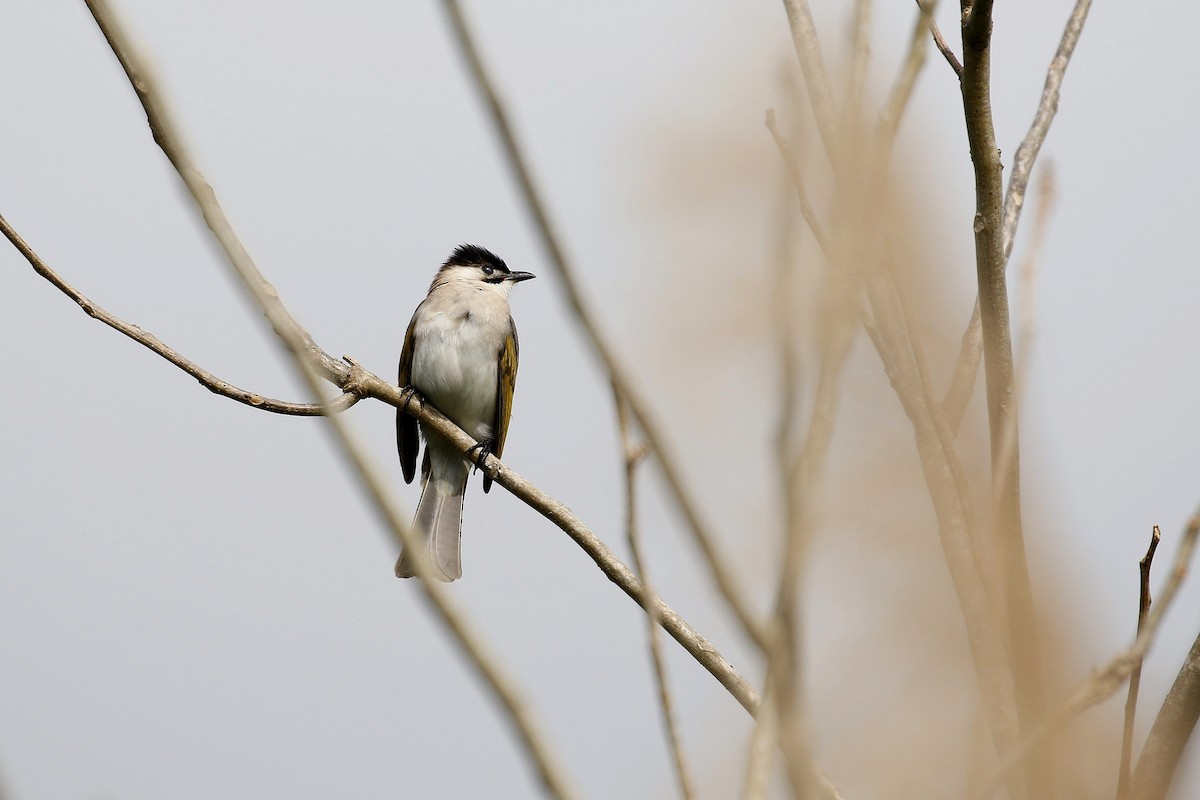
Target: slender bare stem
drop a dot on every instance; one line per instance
(860, 59)
(943, 47)
(1028, 278)
(634, 452)
(1106, 680)
(999, 372)
(1135, 677)
(706, 541)
(1031, 145)
(792, 162)
(155, 345)
(308, 364)
(971, 351)
(763, 742)
(808, 51)
(901, 93)
(1174, 725)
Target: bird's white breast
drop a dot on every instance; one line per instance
(456, 348)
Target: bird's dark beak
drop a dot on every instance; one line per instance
(517, 277)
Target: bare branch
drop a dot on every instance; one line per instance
(897, 102)
(999, 371)
(971, 352)
(1105, 681)
(1135, 677)
(808, 51)
(943, 47)
(1174, 725)
(368, 385)
(634, 452)
(860, 59)
(792, 162)
(307, 360)
(1027, 153)
(966, 370)
(762, 747)
(155, 345)
(172, 146)
(717, 564)
(1028, 277)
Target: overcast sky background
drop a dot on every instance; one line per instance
(195, 602)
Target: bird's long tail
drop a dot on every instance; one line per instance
(438, 527)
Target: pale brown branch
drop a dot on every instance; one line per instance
(706, 541)
(943, 47)
(966, 371)
(155, 345)
(369, 385)
(312, 364)
(1000, 380)
(812, 65)
(792, 162)
(859, 61)
(1106, 680)
(1028, 278)
(1173, 727)
(898, 98)
(633, 453)
(971, 351)
(1135, 677)
(171, 143)
(1031, 145)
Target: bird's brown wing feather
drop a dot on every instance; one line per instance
(506, 382)
(407, 440)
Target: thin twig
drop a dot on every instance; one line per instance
(633, 453)
(792, 162)
(966, 370)
(763, 742)
(943, 47)
(999, 372)
(898, 98)
(717, 563)
(860, 49)
(369, 385)
(971, 351)
(307, 363)
(1027, 277)
(1135, 677)
(155, 345)
(816, 78)
(1108, 679)
(1172, 728)
(1031, 145)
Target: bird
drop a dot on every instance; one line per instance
(460, 352)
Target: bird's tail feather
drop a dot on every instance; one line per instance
(438, 527)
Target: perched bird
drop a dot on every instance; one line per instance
(460, 352)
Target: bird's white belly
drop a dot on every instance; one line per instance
(454, 365)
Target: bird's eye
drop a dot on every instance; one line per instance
(487, 270)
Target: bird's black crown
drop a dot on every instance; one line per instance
(471, 255)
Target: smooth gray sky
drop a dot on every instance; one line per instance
(195, 601)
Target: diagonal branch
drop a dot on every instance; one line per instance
(808, 52)
(1106, 680)
(155, 345)
(1031, 145)
(634, 452)
(365, 384)
(518, 163)
(307, 360)
(943, 47)
(1135, 678)
(971, 350)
